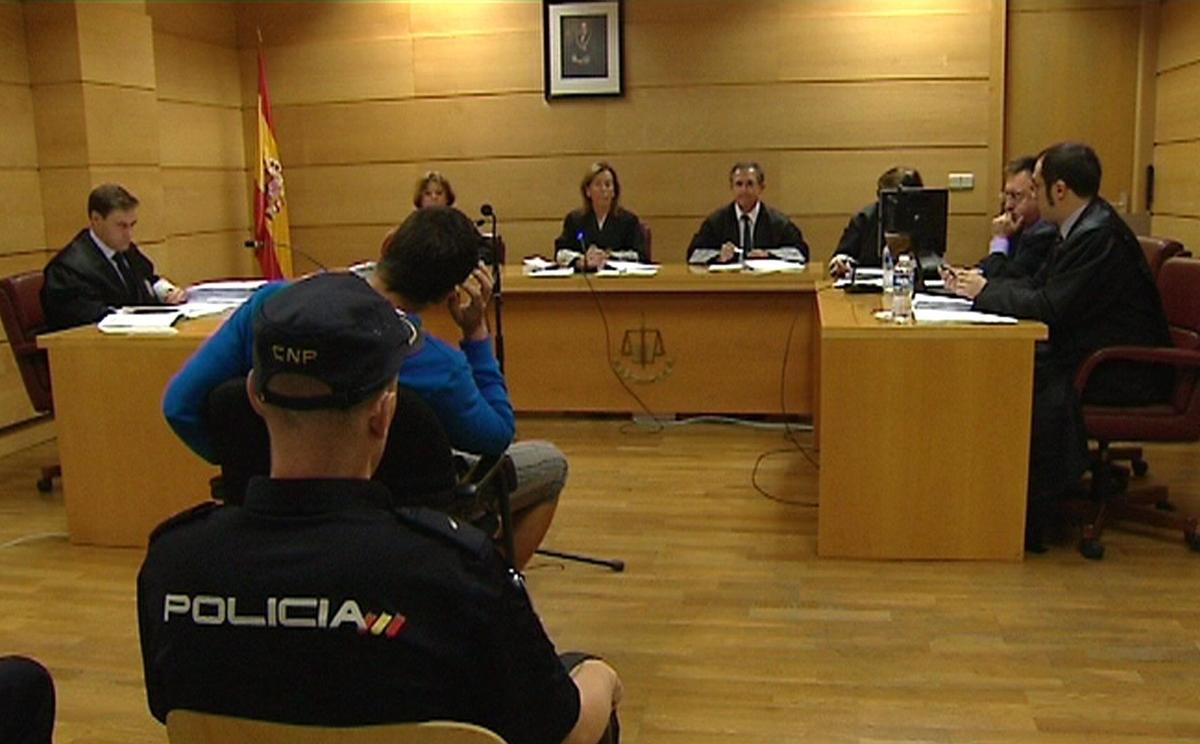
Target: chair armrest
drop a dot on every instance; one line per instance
(1147, 354)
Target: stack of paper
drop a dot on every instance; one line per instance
(141, 320)
(627, 268)
(234, 291)
(772, 265)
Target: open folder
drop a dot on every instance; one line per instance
(151, 319)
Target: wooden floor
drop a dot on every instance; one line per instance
(725, 626)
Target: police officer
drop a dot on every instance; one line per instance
(318, 602)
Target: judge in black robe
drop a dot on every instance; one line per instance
(1094, 291)
(724, 232)
(602, 228)
(82, 285)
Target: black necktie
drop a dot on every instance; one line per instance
(747, 234)
(127, 275)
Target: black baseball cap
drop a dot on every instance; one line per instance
(333, 328)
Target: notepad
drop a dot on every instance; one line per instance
(141, 320)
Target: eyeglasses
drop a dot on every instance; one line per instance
(1016, 196)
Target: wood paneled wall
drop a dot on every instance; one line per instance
(1177, 125)
(23, 239)
(1072, 75)
(825, 94)
(205, 182)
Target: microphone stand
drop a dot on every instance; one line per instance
(497, 290)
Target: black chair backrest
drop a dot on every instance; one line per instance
(417, 465)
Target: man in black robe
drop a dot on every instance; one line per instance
(102, 269)
(747, 227)
(1095, 290)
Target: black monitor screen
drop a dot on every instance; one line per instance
(921, 213)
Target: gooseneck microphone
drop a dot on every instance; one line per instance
(256, 244)
(497, 272)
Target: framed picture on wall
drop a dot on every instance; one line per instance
(583, 50)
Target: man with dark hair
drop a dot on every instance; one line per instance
(432, 258)
(746, 228)
(859, 245)
(101, 269)
(1095, 290)
(318, 601)
(26, 701)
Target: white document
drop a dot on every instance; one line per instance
(627, 268)
(787, 253)
(200, 309)
(772, 265)
(235, 290)
(936, 302)
(703, 255)
(873, 282)
(935, 315)
(717, 268)
(141, 320)
(555, 271)
(537, 263)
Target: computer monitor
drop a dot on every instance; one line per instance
(920, 213)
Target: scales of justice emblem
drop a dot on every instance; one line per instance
(643, 355)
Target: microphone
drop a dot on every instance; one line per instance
(487, 211)
(256, 244)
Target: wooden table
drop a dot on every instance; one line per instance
(124, 470)
(924, 435)
(684, 341)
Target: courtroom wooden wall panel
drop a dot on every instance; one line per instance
(116, 45)
(209, 22)
(202, 200)
(194, 71)
(62, 224)
(128, 118)
(1177, 115)
(1176, 209)
(1177, 190)
(304, 22)
(1061, 86)
(20, 192)
(191, 257)
(46, 26)
(201, 136)
(482, 62)
(335, 71)
(18, 145)
(59, 117)
(1179, 35)
(14, 62)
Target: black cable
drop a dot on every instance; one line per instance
(658, 428)
(789, 435)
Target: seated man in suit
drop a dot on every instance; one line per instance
(1021, 239)
(319, 602)
(102, 269)
(859, 245)
(1094, 290)
(746, 228)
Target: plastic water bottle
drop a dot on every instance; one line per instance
(903, 283)
(885, 263)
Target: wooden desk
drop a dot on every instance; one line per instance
(685, 340)
(124, 470)
(924, 435)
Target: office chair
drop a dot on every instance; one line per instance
(1177, 420)
(191, 727)
(647, 239)
(418, 464)
(23, 318)
(1158, 250)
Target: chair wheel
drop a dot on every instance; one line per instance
(45, 485)
(1093, 550)
(1140, 467)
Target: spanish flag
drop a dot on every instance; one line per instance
(273, 239)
